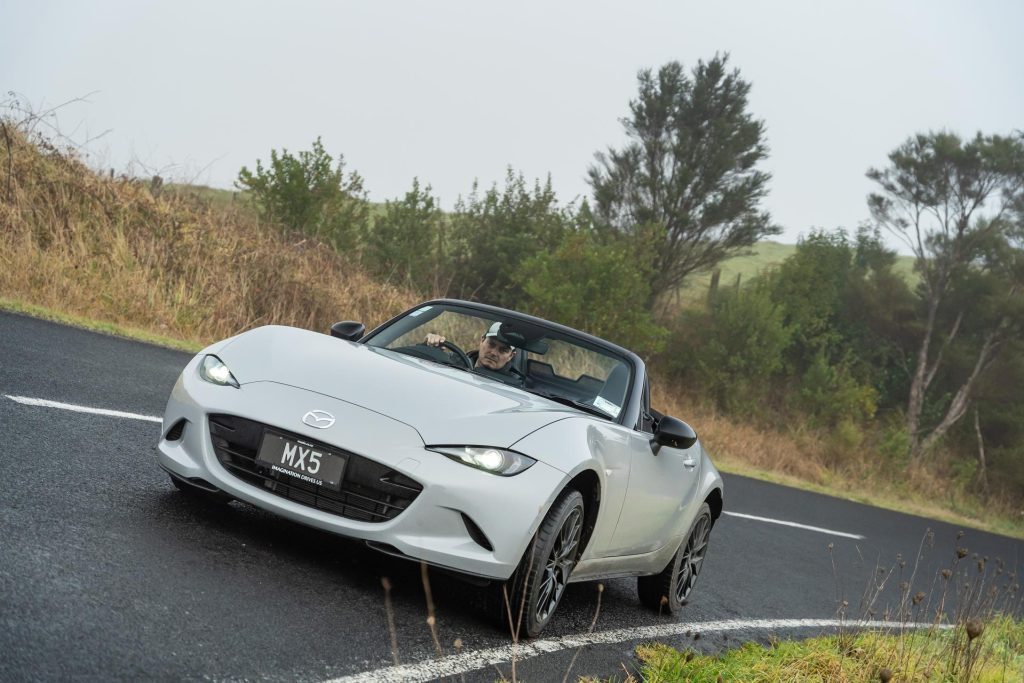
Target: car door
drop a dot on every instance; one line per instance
(661, 487)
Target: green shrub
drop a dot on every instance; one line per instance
(894, 443)
(595, 287)
(740, 350)
(494, 234)
(308, 194)
(408, 242)
(828, 394)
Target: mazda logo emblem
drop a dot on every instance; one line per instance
(320, 419)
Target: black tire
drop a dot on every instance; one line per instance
(544, 571)
(196, 493)
(669, 590)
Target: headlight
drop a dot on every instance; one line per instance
(213, 370)
(493, 460)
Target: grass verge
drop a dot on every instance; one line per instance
(808, 460)
(44, 313)
(994, 654)
(905, 502)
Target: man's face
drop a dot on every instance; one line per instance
(493, 353)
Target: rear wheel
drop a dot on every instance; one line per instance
(669, 590)
(529, 598)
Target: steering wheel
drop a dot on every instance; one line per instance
(459, 353)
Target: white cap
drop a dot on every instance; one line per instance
(493, 330)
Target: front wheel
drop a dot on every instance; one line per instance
(668, 590)
(529, 598)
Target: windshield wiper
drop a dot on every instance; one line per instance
(573, 403)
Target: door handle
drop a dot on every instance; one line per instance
(689, 463)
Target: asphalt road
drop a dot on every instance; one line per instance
(107, 572)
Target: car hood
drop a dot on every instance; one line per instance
(447, 406)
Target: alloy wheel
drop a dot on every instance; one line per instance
(693, 558)
(559, 565)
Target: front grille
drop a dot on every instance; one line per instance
(370, 492)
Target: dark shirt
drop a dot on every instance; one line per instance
(475, 355)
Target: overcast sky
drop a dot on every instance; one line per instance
(455, 91)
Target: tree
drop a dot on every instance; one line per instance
(408, 241)
(308, 194)
(957, 206)
(837, 295)
(494, 234)
(687, 179)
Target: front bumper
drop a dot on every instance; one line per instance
(432, 528)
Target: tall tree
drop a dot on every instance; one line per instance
(957, 206)
(686, 181)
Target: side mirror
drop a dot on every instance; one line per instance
(348, 330)
(674, 433)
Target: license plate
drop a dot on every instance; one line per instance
(303, 461)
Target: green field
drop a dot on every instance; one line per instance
(761, 258)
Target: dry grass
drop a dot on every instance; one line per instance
(795, 455)
(115, 249)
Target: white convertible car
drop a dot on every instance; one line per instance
(469, 437)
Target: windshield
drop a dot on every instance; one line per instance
(520, 353)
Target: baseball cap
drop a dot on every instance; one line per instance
(493, 331)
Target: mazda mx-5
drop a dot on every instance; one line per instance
(497, 445)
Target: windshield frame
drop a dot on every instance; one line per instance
(407, 320)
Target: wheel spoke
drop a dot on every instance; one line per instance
(545, 593)
(559, 564)
(693, 557)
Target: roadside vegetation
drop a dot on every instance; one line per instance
(961, 629)
(992, 652)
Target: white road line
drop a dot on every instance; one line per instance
(471, 661)
(820, 530)
(82, 409)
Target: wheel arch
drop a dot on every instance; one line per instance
(714, 501)
(589, 485)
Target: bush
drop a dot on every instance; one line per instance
(408, 243)
(739, 349)
(595, 287)
(305, 193)
(495, 234)
(829, 394)
(893, 443)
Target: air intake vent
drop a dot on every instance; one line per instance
(476, 533)
(176, 430)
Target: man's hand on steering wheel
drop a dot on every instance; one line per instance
(440, 342)
(434, 340)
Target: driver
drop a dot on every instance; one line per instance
(492, 353)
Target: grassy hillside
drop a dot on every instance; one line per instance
(181, 263)
(760, 259)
